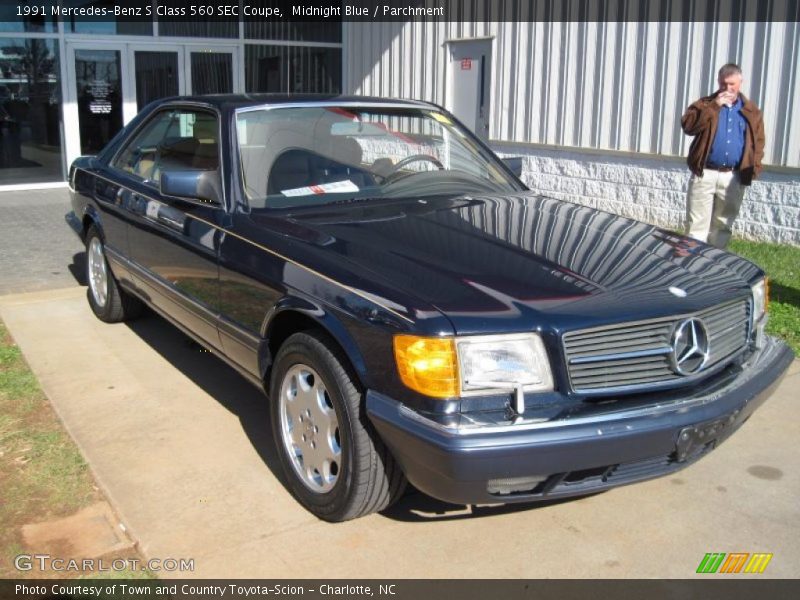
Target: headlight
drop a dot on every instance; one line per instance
(760, 299)
(447, 367)
(504, 362)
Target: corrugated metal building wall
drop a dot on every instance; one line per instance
(601, 85)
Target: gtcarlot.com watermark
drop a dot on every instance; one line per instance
(45, 562)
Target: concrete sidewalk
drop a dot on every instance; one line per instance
(181, 446)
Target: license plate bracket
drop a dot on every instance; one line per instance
(697, 439)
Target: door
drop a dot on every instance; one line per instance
(156, 72)
(112, 83)
(469, 81)
(212, 69)
(99, 100)
(172, 243)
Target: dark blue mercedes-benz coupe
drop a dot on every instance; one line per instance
(411, 310)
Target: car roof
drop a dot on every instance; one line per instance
(235, 101)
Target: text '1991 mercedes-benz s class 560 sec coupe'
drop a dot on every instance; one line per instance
(411, 310)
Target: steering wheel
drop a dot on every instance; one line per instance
(408, 160)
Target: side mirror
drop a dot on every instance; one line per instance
(203, 188)
(515, 164)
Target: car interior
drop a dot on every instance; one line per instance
(200, 151)
(291, 155)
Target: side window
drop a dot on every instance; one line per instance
(190, 143)
(139, 156)
(173, 140)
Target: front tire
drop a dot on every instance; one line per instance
(336, 465)
(108, 302)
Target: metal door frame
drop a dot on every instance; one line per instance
(72, 134)
(180, 49)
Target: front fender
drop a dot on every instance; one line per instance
(91, 217)
(293, 313)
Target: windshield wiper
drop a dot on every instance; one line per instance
(355, 200)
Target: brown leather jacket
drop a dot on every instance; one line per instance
(700, 121)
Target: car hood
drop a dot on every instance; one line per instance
(522, 261)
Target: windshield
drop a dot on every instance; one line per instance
(297, 156)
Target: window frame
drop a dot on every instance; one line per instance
(187, 106)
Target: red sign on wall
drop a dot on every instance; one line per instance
(466, 64)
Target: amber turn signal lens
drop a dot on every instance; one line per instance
(427, 365)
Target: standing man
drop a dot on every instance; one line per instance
(724, 157)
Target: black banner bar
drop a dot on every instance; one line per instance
(406, 10)
(715, 586)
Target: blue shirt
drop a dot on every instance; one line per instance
(728, 145)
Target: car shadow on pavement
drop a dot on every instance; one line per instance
(218, 380)
(78, 268)
(420, 508)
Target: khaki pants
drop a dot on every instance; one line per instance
(712, 205)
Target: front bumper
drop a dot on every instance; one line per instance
(518, 461)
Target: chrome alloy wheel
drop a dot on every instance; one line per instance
(98, 275)
(310, 429)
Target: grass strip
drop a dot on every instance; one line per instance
(781, 262)
(43, 475)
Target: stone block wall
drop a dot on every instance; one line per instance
(653, 189)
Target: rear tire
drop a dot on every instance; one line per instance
(334, 461)
(108, 301)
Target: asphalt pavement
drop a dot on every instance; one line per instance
(37, 249)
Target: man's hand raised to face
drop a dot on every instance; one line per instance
(725, 98)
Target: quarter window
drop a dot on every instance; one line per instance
(177, 139)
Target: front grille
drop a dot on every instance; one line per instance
(632, 356)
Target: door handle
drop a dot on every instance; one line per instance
(172, 218)
(161, 213)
